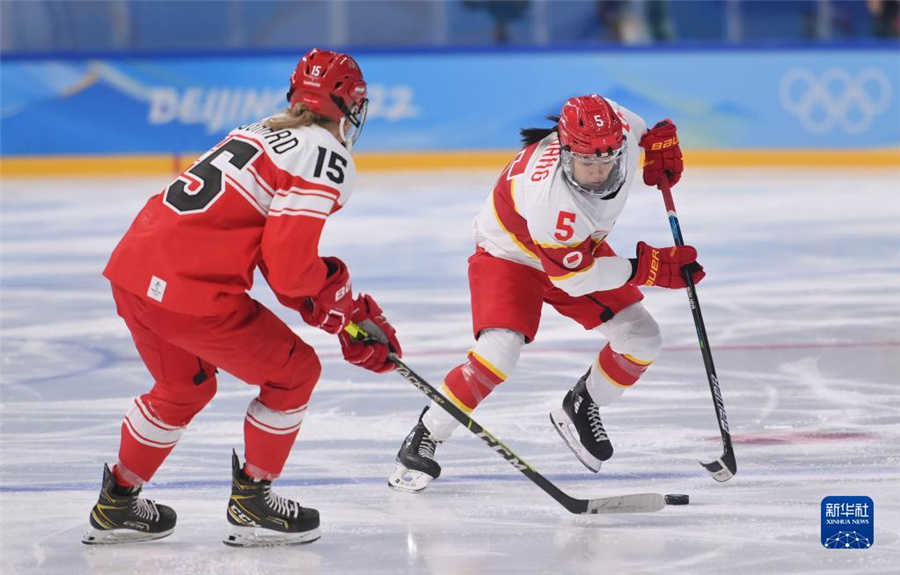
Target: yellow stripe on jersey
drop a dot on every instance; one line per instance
(570, 274)
(488, 365)
(556, 246)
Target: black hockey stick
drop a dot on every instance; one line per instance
(723, 468)
(635, 503)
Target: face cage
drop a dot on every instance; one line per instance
(614, 180)
(352, 123)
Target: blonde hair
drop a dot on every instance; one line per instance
(297, 116)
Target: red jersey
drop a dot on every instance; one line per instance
(260, 198)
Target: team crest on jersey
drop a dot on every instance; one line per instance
(573, 260)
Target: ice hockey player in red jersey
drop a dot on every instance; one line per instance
(180, 276)
(541, 238)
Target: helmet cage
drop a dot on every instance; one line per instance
(614, 180)
(354, 119)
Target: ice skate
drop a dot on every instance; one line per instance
(260, 518)
(578, 423)
(415, 467)
(120, 516)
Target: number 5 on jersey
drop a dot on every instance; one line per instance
(196, 189)
(564, 229)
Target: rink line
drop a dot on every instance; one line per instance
(583, 478)
(795, 438)
(109, 358)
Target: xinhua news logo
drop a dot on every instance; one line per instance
(848, 522)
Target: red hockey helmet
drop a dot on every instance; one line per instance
(590, 133)
(331, 84)
(589, 125)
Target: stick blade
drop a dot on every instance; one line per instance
(634, 503)
(723, 468)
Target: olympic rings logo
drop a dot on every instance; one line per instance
(835, 98)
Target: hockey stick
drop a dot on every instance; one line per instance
(723, 468)
(635, 503)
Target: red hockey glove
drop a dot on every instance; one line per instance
(661, 267)
(331, 309)
(371, 353)
(662, 155)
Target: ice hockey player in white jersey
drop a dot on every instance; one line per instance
(541, 238)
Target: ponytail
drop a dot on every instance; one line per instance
(297, 116)
(532, 135)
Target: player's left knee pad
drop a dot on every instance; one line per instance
(635, 333)
(634, 343)
(291, 386)
(498, 349)
(176, 407)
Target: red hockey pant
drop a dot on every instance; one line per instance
(182, 353)
(509, 295)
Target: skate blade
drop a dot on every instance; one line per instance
(120, 536)
(239, 536)
(564, 427)
(408, 480)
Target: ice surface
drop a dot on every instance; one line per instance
(802, 306)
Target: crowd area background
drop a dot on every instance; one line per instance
(42, 26)
(451, 82)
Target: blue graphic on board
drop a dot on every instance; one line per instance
(452, 101)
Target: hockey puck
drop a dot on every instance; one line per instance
(677, 499)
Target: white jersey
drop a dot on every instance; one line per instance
(534, 218)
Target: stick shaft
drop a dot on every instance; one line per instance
(701, 328)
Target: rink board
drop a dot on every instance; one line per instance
(773, 106)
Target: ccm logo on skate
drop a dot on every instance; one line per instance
(137, 526)
(241, 516)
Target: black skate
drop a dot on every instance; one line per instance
(260, 518)
(589, 442)
(416, 467)
(120, 516)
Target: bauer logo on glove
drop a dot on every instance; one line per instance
(663, 161)
(663, 267)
